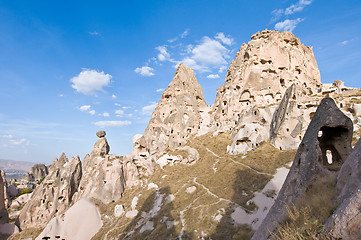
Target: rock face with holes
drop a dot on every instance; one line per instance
(177, 116)
(54, 195)
(346, 219)
(4, 217)
(330, 131)
(258, 101)
(37, 172)
(103, 178)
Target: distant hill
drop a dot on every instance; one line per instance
(15, 169)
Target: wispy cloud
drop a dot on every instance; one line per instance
(345, 42)
(163, 54)
(149, 109)
(182, 35)
(288, 25)
(112, 123)
(213, 76)
(160, 90)
(105, 114)
(89, 82)
(114, 96)
(119, 113)
(145, 71)
(225, 40)
(11, 140)
(87, 108)
(94, 33)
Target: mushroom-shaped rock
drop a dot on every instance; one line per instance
(101, 146)
(324, 148)
(101, 134)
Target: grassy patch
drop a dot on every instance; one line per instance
(267, 158)
(307, 216)
(29, 233)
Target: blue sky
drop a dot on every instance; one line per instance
(71, 68)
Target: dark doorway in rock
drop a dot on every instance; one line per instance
(334, 146)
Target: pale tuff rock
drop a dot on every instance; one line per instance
(81, 221)
(101, 146)
(103, 175)
(177, 115)
(345, 222)
(329, 131)
(103, 179)
(4, 217)
(54, 195)
(256, 85)
(37, 172)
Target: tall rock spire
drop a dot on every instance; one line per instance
(177, 115)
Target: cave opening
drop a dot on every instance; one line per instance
(334, 143)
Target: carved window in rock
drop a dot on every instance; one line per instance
(333, 142)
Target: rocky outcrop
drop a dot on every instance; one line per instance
(177, 115)
(103, 175)
(253, 102)
(324, 148)
(37, 172)
(4, 217)
(345, 222)
(101, 146)
(81, 221)
(54, 195)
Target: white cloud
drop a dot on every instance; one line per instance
(148, 110)
(145, 71)
(298, 7)
(160, 90)
(163, 54)
(210, 53)
(225, 40)
(92, 112)
(11, 140)
(112, 123)
(117, 104)
(119, 113)
(89, 81)
(105, 114)
(213, 76)
(345, 42)
(85, 108)
(94, 33)
(185, 33)
(113, 96)
(288, 25)
(182, 35)
(61, 95)
(222, 68)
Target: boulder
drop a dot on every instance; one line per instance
(101, 147)
(324, 148)
(101, 134)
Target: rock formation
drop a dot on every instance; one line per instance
(255, 87)
(81, 221)
(177, 115)
(37, 172)
(101, 146)
(103, 175)
(324, 148)
(54, 195)
(4, 217)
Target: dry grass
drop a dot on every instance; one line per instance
(231, 182)
(267, 158)
(29, 233)
(307, 216)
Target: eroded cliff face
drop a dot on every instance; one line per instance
(177, 115)
(54, 195)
